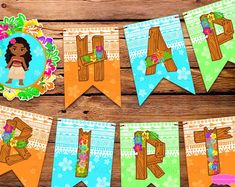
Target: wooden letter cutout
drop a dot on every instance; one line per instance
(144, 161)
(214, 41)
(84, 146)
(219, 134)
(156, 44)
(23, 153)
(83, 66)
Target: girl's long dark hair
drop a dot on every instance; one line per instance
(27, 56)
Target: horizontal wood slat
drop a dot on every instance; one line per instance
(98, 9)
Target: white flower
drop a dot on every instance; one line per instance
(106, 162)
(151, 86)
(170, 181)
(181, 52)
(183, 73)
(97, 159)
(37, 73)
(60, 175)
(141, 79)
(91, 166)
(142, 93)
(159, 72)
(101, 182)
(141, 67)
(66, 164)
(38, 51)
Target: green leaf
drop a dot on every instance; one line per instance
(6, 20)
(28, 93)
(218, 15)
(55, 59)
(1, 87)
(153, 135)
(167, 55)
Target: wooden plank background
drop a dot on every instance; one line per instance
(168, 102)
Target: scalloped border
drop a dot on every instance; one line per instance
(46, 81)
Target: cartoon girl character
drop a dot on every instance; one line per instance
(17, 57)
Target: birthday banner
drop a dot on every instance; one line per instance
(211, 29)
(83, 153)
(157, 50)
(210, 151)
(150, 154)
(91, 56)
(23, 144)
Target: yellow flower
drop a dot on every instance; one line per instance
(10, 94)
(13, 142)
(213, 136)
(214, 152)
(81, 170)
(211, 17)
(33, 27)
(145, 135)
(93, 58)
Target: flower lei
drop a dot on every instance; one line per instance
(158, 57)
(207, 22)
(213, 159)
(83, 156)
(141, 138)
(8, 137)
(98, 54)
(11, 25)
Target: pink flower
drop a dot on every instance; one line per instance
(8, 128)
(3, 28)
(13, 41)
(99, 48)
(207, 31)
(154, 58)
(50, 68)
(137, 148)
(83, 157)
(3, 35)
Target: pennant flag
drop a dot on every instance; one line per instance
(210, 151)
(83, 153)
(91, 57)
(150, 154)
(157, 50)
(211, 29)
(28, 59)
(23, 144)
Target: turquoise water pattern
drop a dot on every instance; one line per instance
(137, 36)
(101, 153)
(36, 65)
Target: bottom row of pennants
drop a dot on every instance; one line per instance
(149, 151)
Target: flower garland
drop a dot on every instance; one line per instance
(98, 54)
(207, 22)
(8, 137)
(82, 157)
(141, 138)
(11, 25)
(213, 159)
(158, 57)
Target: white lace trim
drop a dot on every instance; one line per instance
(129, 154)
(94, 151)
(201, 150)
(72, 57)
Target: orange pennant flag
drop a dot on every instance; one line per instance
(91, 57)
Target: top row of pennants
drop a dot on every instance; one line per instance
(157, 51)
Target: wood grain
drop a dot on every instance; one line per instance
(168, 102)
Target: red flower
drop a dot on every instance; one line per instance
(50, 68)
(207, 31)
(137, 148)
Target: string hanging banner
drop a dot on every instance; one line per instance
(91, 56)
(211, 29)
(150, 154)
(157, 50)
(83, 153)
